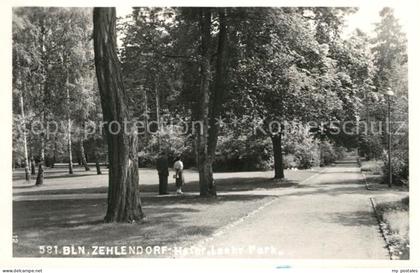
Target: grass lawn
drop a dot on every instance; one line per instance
(392, 211)
(170, 220)
(372, 166)
(394, 216)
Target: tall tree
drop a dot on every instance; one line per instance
(124, 204)
(273, 52)
(69, 123)
(218, 93)
(201, 131)
(390, 58)
(207, 104)
(390, 50)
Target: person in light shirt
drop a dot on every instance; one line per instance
(179, 177)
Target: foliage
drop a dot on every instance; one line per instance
(304, 147)
(390, 58)
(328, 153)
(52, 54)
(399, 161)
(371, 147)
(282, 64)
(245, 153)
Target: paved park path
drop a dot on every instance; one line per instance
(327, 216)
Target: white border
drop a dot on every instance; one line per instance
(221, 265)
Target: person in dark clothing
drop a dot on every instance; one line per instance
(162, 167)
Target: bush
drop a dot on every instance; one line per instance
(340, 152)
(304, 147)
(308, 157)
(399, 163)
(174, 143)
(328, 153)
(243, 153)
(290, 161)
(147, 159)
(370, 146)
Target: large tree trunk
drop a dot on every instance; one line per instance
(277, 145)
(124, 204)
(201, 132)
(278, 156)
(83, 156)
(216, 100)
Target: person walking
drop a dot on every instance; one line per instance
(179, 177)
(162, 167)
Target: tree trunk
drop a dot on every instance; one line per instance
(124, 204)
(216, 101)
(157, 111)
(69, 150)
(146, 110)
(96, 158)
(69, 134)
(25, 144)
(42, 86)
(278, 156)
(33, 172)
(55, 151)
(69, 126)
(82, 155)
(40, 176)
(201, 132)
(98, 167)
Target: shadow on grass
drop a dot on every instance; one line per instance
(233, 185)
(61, 173)
(169, 220)
(223, 185)
(49, 176)
(85, 212)
(53, 213)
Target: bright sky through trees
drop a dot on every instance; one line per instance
(364, 19)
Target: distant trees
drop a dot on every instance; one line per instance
(53, 75)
